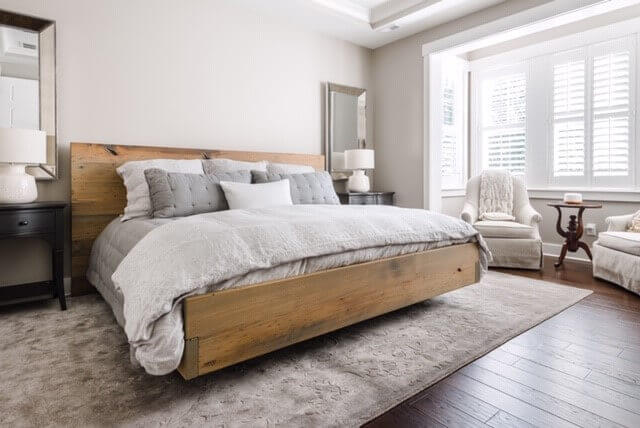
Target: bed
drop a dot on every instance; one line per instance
(253, 314)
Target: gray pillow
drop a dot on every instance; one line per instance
(179, 195)
(308, 188)
(223, 165)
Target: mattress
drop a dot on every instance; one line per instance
(111, 246)
(119, 238)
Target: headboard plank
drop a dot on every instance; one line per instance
(98, 195)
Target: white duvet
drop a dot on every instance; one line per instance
(230, 248)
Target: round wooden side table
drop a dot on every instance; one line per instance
(574, 230)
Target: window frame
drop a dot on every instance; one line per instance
(540, 58)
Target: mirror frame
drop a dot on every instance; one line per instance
(46, 30)
(362, 123)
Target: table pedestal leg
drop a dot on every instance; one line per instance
(563, 254)
(573, 234)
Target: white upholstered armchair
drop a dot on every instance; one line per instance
(616, 254)
(513, 244)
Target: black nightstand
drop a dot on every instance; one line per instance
(366, 198)
(44, 220)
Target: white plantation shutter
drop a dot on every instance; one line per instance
(503, 98)
(453, 141)
(565, 118)
(569, 89)
(448, 157)
(611, 111)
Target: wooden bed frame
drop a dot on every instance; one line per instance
(225, 327)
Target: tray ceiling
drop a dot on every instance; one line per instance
(370, 23)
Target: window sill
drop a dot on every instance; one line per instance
(588, 194)
(593, 194)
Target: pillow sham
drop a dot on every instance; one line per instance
(288, 168)
(132, 173)
(221, 165)
(263, 195)
(178, 195)
(308, 188)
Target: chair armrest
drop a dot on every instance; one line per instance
(618, 223)
(469, 213)
(529, 216)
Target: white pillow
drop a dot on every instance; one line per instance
(261, 195)
(288, 168)
(497, 216)
(224, 166)
(132, 173)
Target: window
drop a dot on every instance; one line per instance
(503, 123)
(592, 115)
(564, 119)
(453, 140)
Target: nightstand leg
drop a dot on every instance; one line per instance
(58, 278)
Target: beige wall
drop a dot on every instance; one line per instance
(197, 73)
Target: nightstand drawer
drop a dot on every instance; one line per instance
(363, 200)
(366, 198)
(18, 222)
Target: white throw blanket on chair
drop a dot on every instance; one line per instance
(496, 196)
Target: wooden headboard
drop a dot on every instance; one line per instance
(98, 195)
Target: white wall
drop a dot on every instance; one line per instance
(197, 73)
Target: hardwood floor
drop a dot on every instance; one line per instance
(579, 368)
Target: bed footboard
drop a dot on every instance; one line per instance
(226, 327)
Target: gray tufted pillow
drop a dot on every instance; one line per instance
(308, 188)
(179, 195)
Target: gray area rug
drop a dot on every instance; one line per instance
(72, 368)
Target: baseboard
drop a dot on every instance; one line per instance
(553, 250)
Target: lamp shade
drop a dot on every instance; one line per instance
(23, 146)
(359, 159)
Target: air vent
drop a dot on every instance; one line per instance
(18, 44)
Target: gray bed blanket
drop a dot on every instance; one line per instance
(218, 250)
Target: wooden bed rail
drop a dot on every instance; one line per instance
(226, 327)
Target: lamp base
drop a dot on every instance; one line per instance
(16, 186)
(358, 182)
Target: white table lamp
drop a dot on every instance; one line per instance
(358, 160)
(19, 148)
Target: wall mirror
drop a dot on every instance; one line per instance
(346, 125)
(28, 81)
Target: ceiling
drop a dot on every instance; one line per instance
(369, 23)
